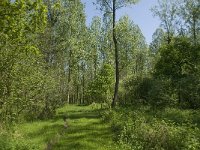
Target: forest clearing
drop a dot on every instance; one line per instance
(86, 75)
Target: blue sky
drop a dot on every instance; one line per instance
(139, 13)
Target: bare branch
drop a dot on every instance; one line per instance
(108, 5)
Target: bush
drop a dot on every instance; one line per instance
(161, 94)
(159, 135)
(190, 92)
(179, 62)
(156, 92)
(138, 129)
(136, 89)
(31, 91)
(14, 141)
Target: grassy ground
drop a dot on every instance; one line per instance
(85, 131)
(169, 128)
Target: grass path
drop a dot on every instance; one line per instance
(85, 131)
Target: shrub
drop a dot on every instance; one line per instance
(14, 141)
(159, 135)
(138, 129)
(156, 92)
(136, 89)
(161, 94)
(190, 91)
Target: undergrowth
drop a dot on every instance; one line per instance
(141, 128)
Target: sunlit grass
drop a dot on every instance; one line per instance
(85, 130)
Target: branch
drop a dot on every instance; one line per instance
(108, 5)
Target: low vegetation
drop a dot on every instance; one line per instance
(141, 128)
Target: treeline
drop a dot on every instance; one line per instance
(164, 74)
(159, 108)
(49, 57)
(174, 70)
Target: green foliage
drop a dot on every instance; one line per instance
(26, 85)
(190, 91)
(136, 89)
(32, 90)
(49, 57)
(176, 78)
(100, 89)
(141, 128)
(119, 3)
(178, 59)
(161, 94)
(132, 47)
(157, 93)
(190, 12)
(179, 62)
(14, 141)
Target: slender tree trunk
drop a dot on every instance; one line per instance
(77, 94)
(168, 37)
(83, 101)
(69, 78)
(95, 67)
(116, 58)
(83, 83)
(194, 29)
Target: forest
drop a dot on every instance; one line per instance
(66, 85)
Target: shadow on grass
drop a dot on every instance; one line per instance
(80, 114)
(87, 115)
(84, 137)
(47, 132)
(85, 132)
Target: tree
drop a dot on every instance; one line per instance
(69, 32)
(167, 12)
(100, 89)
(21, 65)
(110, 6)
(95, 42)
(190, 13)
(132, 47)
(179, 62)
(158, 40)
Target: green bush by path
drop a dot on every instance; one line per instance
(15, 141)
(142, 128)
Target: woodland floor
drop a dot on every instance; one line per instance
(85, 131)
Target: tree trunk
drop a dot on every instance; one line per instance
(83, 83)
(194, 29)
(116, 58)
(168, 37)
(83, 101)
(69, 77)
